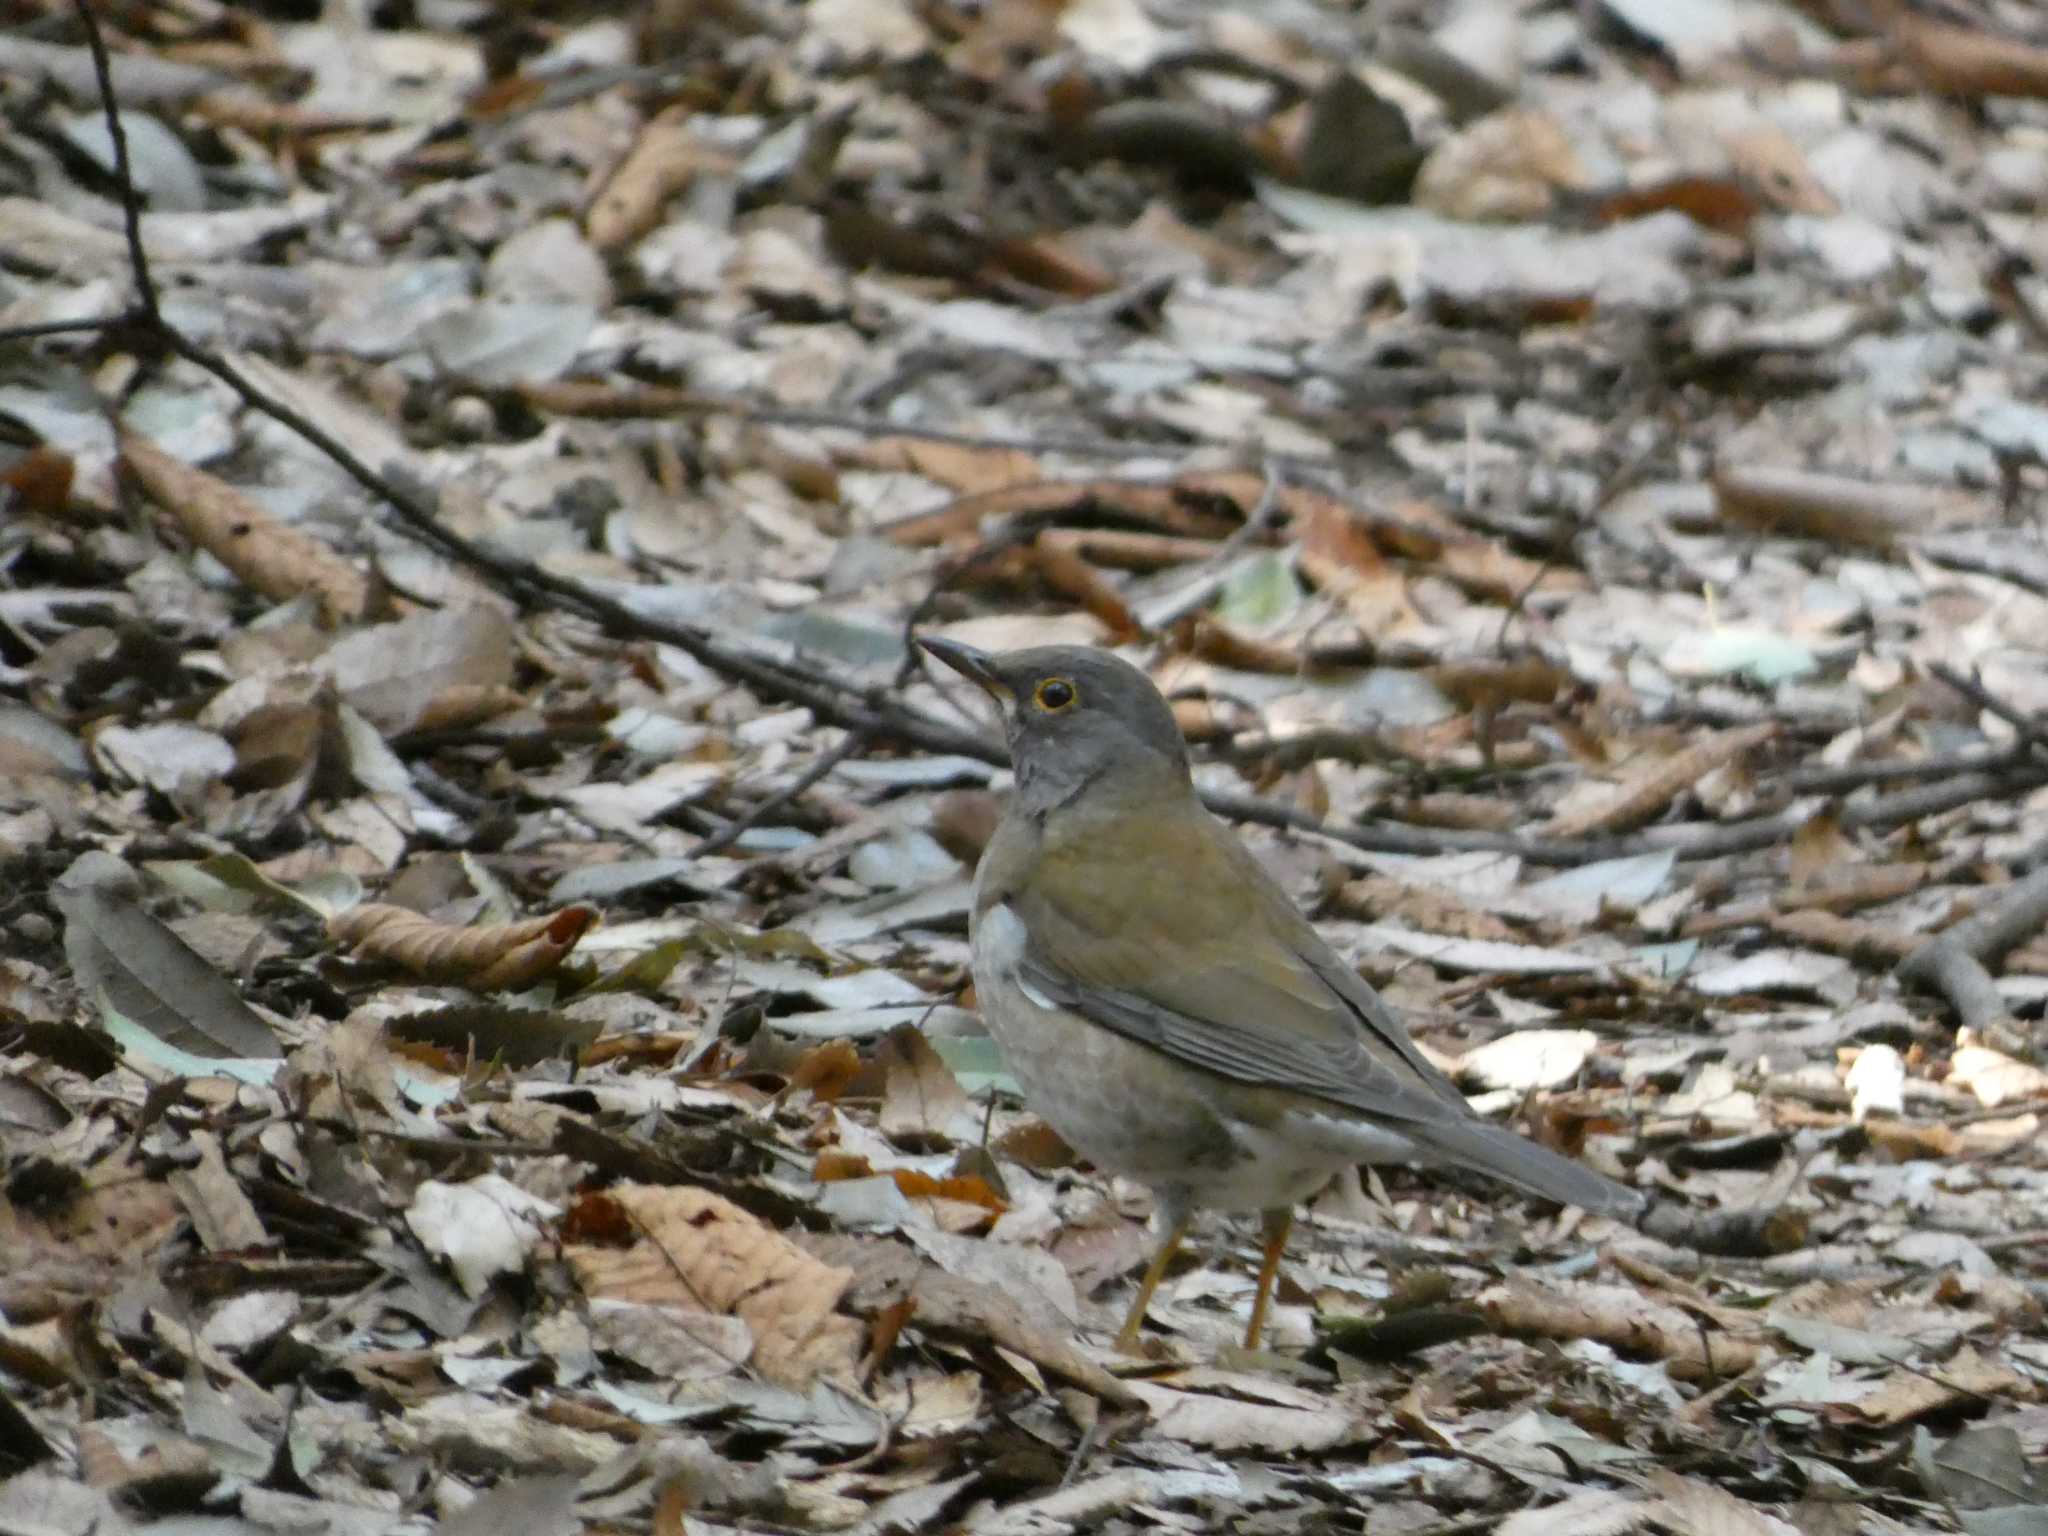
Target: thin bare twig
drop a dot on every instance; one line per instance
(849, 745)
(1689, 840)
(2031, 730)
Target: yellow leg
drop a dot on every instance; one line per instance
(1127, 1336)
(1278, 1223)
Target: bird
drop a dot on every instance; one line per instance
(1162, 1002)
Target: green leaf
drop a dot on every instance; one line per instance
(1259, 591)
(977, 1062)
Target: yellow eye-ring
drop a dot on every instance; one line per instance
(1054, 695)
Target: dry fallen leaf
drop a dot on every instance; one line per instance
(493, 957)
(273, 559)
(688, 1248)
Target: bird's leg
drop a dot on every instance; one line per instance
(1176, 1230)
(1278, 1221)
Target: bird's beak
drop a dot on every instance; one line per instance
(977, 666)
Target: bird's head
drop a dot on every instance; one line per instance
(1075, 718)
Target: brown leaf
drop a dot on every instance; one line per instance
(1182, 506)
(1494, 683)
(1068, 574)
(920, 1095)
(963, 820)
(1961, 61)
(40, 481)
(1858, 514)
(1211, 639)
(1510, 165)
(969, 469)
(1470, 813)
(1422, 531)
(663, 161)
(1848, 885)
(1045, 262)
(966, 1188)
(270, 558)
(488, 958)
(1037, 1146)
(1905, 1395)
(1626, 1320)
(694, 1250)
(278, 747)
(1818, 847)
(1700, 1509)
(1650, 789)
(825, 1071)
(1127, 550)
(428, 669)
(1720, 203)
(115, 1218)
(832, 1167)
(1872, 944)
(1339, 556)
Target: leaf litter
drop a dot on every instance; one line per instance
(486, 1039)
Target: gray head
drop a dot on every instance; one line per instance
(1073, 715)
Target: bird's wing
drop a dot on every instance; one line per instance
(1224, 973)
(1192, 947)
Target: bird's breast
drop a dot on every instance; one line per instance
(1126, 1107)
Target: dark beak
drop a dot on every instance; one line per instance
(976, 666)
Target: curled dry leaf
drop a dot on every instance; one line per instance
(833, 1167)
(1652, 789)
(967, 468)
(1488, 683)
(825, 1071)
(1690, 1347)
(1855, 513)
(1065, 571)
(1963, 61)
(1843, 887)
(1481, 566)
(488, 958)
(690, 1249)
(1720, 203)
(662, 162)
(268, 557)
(1868, 943)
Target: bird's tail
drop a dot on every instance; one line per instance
(1517, 1161)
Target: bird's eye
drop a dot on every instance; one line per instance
(1054, 695)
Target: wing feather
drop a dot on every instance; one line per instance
(1241, 984)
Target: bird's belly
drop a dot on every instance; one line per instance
(1132, 1110)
